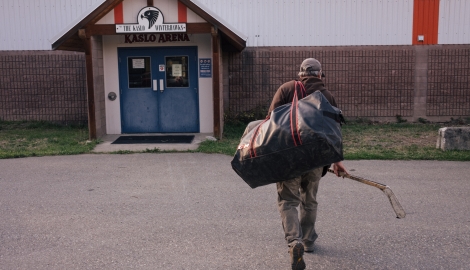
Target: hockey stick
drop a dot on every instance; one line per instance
(386, 189)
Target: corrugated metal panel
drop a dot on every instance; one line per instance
(31, 24)
(454, 22)
(318, 22)
(220, 19)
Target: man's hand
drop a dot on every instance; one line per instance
(339, 169)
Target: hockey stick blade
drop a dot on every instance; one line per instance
(396, 206)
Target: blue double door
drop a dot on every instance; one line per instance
(159, 90)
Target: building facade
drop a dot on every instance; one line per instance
(382, 59)
(207, 59)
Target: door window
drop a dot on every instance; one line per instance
(177, 71)
(139, 72)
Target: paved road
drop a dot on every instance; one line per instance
(191, 211)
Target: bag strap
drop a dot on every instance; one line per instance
(293, 120)
(253, 138)
(302, 88)
(294, 112)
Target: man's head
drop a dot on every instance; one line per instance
(310, 67)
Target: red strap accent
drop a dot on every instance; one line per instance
(294, 114)
(304, 94)
(293, 122)
(253, 138)
(302, 88)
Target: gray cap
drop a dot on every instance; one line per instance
(310, 67)
(310, 64)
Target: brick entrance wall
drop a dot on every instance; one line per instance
(43, 85)
(375, 82)
(448, 92)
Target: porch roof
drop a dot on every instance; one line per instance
(69, 39)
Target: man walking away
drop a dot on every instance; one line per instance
(300, 234)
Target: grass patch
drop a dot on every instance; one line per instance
(27, 139)
(366, 140)
(363, 139)
(228, 144)
(396, 141)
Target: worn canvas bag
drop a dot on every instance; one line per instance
(296, 138)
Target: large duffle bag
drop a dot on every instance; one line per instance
(296, 138)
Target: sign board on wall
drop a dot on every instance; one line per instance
(157, 38)
(205, 67)
(150, 20)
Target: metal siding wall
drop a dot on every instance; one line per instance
(318, 22)
(30, 24)
(454, 22)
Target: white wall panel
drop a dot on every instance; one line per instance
(318, 22)
(193, 17)
(454, 22)
(31, 24)
(107, 19)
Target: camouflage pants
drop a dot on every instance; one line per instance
(292, 193)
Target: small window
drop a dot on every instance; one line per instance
(177, 71)
(139, 72)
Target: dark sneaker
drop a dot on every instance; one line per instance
(296, 252)
(308, 249)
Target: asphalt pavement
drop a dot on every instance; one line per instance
(191, 211)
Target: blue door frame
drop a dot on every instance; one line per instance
(154, 99)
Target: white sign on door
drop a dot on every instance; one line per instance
(138, 63)
(176, 70)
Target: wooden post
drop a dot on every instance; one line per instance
(216, 82)
(150, 3)
(89, 82)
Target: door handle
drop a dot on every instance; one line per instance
(161, 86)
(155, 86)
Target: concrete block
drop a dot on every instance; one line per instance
(454, 138)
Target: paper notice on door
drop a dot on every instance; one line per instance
(138, 63)
(177, 70)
